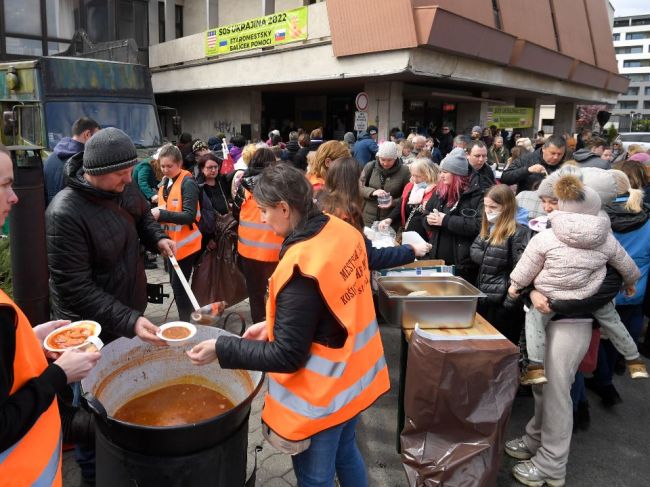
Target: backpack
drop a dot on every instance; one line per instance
(208, 222)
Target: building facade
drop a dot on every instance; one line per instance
(422, 63)
(631, 37)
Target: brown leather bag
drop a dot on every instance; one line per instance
(217, 276)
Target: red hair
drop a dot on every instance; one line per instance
(451, 192)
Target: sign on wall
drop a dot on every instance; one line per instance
(510, 117)
(270, 30)
(360, 121)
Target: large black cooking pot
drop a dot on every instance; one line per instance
(130, 367)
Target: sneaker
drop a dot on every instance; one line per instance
(533, 376)
(637, 369)
(517, 449)
(528, 474)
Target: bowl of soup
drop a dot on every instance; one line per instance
(176, 332)
(79, 334)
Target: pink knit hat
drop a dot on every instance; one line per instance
(640, 157)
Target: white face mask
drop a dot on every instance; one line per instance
(492, 217)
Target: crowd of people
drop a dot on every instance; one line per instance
(553, 230)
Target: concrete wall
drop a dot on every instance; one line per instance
(385, 105)
(195, 17)
(282, 5)
(232, 11)
(205, 114)
(191, 48)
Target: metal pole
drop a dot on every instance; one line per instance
(27, 235)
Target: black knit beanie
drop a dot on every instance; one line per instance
(108, 150)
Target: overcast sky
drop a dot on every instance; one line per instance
(623, 8)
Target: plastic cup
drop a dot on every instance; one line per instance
(384, 200)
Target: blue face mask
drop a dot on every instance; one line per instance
(421, 185)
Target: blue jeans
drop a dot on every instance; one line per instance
(332, 451)
(578, 391)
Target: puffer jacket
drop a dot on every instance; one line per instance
(568, 260)
(394, 181)
(96, 268)
(496, 262)
(459, 228)
(632, 230)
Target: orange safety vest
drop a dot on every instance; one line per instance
(335, 384)
(187, 237)
(257, 240)
(35, 459)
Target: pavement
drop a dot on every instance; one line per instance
(613, 452)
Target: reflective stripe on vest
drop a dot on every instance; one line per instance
(336, 383)
(35, 459)
(257, 240)
(187, 238)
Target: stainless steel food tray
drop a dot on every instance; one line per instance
(451, 301)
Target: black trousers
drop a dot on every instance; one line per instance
(257, 274)
(183, 303)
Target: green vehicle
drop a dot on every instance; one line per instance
(42, 98)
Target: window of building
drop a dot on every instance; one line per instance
(132, 14)
(60, 18)
(617, 37)
(629, 50)
(636, 63)
(24, 47)
(621, 23)
(644, 21)
(632, 91)
(96, 20)
(23, 17)
(638, 77)
(178, 21)
(633, 36)
(626, 105)
(647, 90)
(56, 47)
(646, 105)
(161, 21)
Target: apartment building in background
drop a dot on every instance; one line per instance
(631, 37)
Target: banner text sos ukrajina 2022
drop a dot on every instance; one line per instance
(270, 30)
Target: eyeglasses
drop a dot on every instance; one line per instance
(211, 168)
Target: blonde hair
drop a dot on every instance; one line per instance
(427, 168)
(506, 225)
(525, 143)
(332, 150)
(634, 149)
(247, 153)
(634, 203)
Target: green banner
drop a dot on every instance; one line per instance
(508, 117)
(270, 30)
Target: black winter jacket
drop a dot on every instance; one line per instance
(96, 268)
(459, 228)
(496, 262)
(518, 173)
